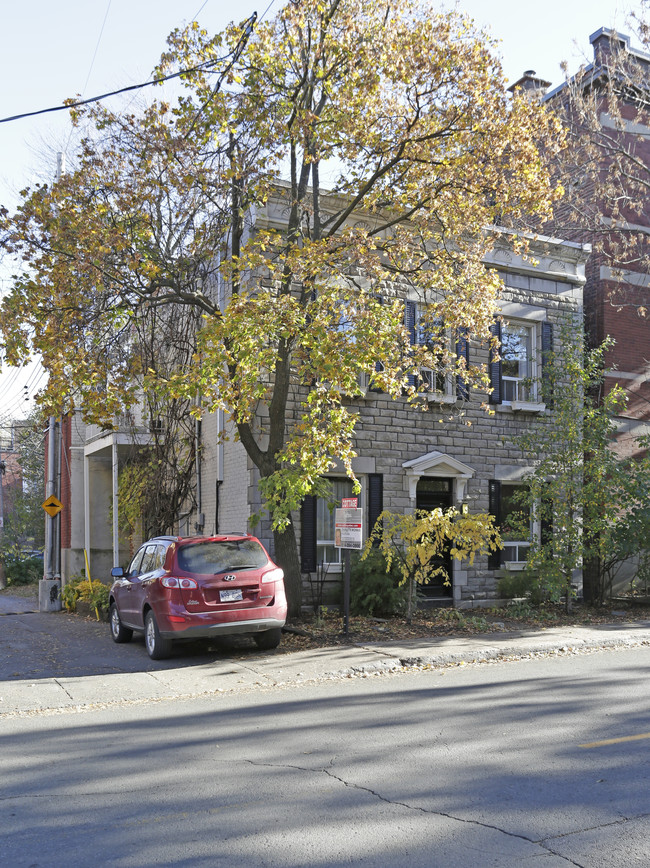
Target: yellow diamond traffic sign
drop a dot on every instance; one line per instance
(53, 505)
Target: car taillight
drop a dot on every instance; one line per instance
(275, 575)
(173, 582)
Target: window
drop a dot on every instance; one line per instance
(435, 384)
(211, 558)
(516, 524)
(317, 522)
(515, 519)
(347, 330)
(134, 567)
(517, 363)
(326, 552)
(150, 560)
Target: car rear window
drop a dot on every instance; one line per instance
(221, 556)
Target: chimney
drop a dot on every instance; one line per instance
(607, 42)
(533, 87)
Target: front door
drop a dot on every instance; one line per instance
(433, 493)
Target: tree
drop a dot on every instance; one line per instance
(217, 204)
(605, 165)
(23, 477)
(414, 541)
(589, 504)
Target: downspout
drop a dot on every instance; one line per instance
(115, 468)
(200, 517)
(219, 480)
(57, 526)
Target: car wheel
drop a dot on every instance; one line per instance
(269, 639)
(119, 632)
(157, 647)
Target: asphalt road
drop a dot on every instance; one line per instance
(56, 644)
(497, 764)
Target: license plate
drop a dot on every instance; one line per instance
(231, 595)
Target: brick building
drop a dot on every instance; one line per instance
(11, 477)
(606, 175)
(613, 140)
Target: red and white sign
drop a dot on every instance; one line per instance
(350, 502)
(348, 527)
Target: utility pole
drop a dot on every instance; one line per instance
(49, 592)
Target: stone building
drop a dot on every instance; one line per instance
(406, 458)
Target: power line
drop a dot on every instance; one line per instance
(92, 62)
(247, 30)
(99, 39)
(11, 378)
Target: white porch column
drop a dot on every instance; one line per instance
(87, 506)
(116, 523)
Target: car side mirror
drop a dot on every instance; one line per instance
(117, 572)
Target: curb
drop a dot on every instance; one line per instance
(480, 655)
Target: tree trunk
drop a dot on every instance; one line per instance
(569, 595)
(592, 590)
(409, 608)
(286, 556)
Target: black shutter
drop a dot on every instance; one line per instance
(547, 364)
(494, 558)
(308, 534)
(378, 365)
(375, 499)
(546, 520)
(409, 322)
(495, 365)
(462, 351)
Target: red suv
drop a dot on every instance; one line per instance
(197, 587)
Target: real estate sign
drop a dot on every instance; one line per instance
(348, 524)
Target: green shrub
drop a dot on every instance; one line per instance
(478, 622)
(373, 591)
(450, 616)
(79, 589)
(520, 609)
(23, 571)
(523, 584)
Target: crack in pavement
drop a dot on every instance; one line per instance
(621, 821)
(62, 686)
(540, 843)
(269, 678)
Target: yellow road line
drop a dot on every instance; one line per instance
(606, 741)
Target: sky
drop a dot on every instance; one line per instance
(51, 51)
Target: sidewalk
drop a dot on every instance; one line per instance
(75, 665)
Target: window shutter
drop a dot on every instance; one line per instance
(462, 351)
(495, 366)
(378, 365)
(547, 362)
(409, 322)
(494, 494)
(546, 520)
(375, 498)
(308, 534)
